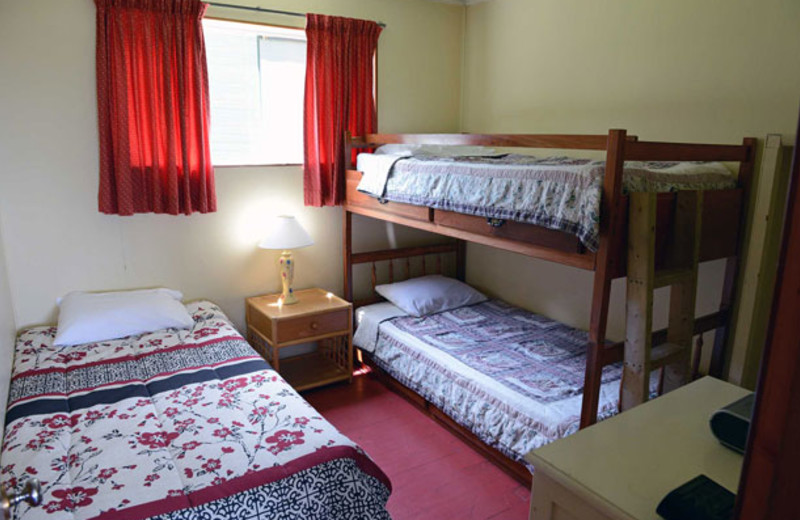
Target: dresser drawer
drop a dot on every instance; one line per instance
(307, 326)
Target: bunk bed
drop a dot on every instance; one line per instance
(723, 219)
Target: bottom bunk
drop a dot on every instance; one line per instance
(509, 380)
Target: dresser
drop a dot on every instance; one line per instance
(622, 467)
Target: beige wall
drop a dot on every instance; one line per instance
(686, 70)
(57, 241)
(7, 333)
(680, 70)
(683, 69)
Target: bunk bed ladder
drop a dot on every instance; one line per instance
(679, 273)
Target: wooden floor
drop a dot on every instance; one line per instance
(434, 474)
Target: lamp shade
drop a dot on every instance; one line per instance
(285, 233)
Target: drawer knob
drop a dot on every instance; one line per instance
(314, 325)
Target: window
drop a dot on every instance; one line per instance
(256, 80)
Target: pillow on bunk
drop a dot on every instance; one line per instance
(91, 317)
(437, 150)
(430, 294)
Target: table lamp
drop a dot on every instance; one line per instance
(285, 234)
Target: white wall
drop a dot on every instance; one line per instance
(57, 241)
(7, 333)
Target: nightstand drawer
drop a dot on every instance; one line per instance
(308, 326)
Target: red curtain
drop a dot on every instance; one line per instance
(339, 96)
(152, 96)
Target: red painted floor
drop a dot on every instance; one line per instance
(434, 474)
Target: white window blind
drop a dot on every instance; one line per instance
(256, 81)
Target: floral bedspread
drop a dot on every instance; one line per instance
(175, 424)
(556, 192)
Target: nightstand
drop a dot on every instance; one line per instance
(317, 316)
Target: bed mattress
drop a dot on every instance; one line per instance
(175, 424)
(512, 377)
(560, 193)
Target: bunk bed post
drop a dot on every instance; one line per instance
(347, 226)
(720, 354)
(604, 269)
(348, 150)
(347, 253)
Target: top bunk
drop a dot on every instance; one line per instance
(566, 210)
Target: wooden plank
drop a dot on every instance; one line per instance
(405, 253)
(354, 197)
(347, 253)
(584, 260)
(760, 263)
(402, 252)
(685, 249)
(768, 489)
(519, 231)
(639, 300)
(720, 353)
(767, 274)
(605, 266)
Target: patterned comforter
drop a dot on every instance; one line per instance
(176, 425)
(512, 377)
(556, 192)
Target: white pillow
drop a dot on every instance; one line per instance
(430, 294)
(436, 150)
(90, 317)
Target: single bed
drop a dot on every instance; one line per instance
(175, 424)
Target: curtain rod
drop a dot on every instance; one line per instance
(265, 10)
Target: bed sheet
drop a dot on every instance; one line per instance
(560, 193)
(176, 424)
(512, 377)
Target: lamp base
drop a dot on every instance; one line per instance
(286, 263)
(288, 298)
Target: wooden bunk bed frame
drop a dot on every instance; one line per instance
(723, 223)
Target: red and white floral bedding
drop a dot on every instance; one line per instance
(175, 424)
